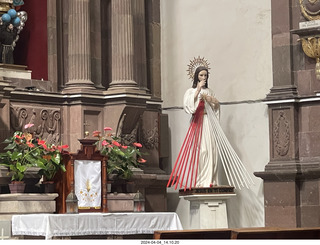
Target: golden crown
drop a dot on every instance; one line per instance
(195, 63)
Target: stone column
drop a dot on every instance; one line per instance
(283, 80)
(291, 178)
(128, 44)
(153, 39)
(140, 46)
(79, 55)
(5, 89)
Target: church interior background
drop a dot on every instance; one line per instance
(87, 64)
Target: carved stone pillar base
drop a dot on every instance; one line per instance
(283, 92)
(125, 90)
(78, 85)
(82, 90)
(291, 194)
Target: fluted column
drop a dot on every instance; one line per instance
(79, 55)
(122, 44)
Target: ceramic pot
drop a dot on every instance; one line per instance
(17, 187)
(48, 187)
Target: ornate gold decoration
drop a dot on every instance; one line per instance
(310, 9)
(196, 62)
(5, 5)
(281, 134)
(88, 185)
(311, 47)
(88, 196)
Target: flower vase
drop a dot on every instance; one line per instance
(48, 187)
(130, 187)
(17, 187)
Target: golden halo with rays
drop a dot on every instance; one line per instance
(196, 62)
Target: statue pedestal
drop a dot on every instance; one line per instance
(208, 211)
(14, 71)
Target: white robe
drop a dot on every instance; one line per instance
(208, 156)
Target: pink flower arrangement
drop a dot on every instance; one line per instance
(24, 151)
(121, 158)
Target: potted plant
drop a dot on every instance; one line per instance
(50, 164)
(122, 159)
(24, 151)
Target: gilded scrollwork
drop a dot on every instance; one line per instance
(310, 9)
(281, 134)
(311, 47)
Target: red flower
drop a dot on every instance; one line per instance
(19, 137)
(107, 129)
(30, 144)
(96, 133)
(45, 147)
(61, 147)
(141, 160)
(137, 145)
(41, 142)
(124, 147)
(116, 143)
(104, 143)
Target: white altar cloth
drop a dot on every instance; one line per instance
(50, 225)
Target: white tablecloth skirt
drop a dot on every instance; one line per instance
(50, 225)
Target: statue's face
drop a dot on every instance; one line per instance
(203, 75)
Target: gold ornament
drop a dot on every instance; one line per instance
(88, 184)
(310, 9)
(195, 63)
(311, 47)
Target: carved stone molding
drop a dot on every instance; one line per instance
(150, 137)
(130, 138)
(284, 128)
(281, 134)
(47, 121)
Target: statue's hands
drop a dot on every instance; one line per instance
(201, 84)
(212, 101)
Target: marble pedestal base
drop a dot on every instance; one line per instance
(208, 211)
(26, 203)
(14, 71)
(121, 202)
(23, 203)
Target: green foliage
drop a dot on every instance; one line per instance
(50, 164)
(24, 151)
(121, 158)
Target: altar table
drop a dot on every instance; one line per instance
(83, 224)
